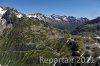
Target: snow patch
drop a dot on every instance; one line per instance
(65, 18)
(19, 15)
(35, 16)
(57, 19)
(2, 11)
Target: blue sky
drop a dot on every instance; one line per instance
(77, 8)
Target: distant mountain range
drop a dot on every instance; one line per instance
(89, 26)
(65, 23)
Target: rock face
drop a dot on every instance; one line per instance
(2, 21)
(8, 16)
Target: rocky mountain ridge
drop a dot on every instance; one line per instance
(65, 23)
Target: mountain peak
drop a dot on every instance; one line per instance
(55, 17)
(3, 10)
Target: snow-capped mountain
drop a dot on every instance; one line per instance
(67, 23)
(7, 16)
(43, 17)
(62, 22)
(2, 21)
(3, 10)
